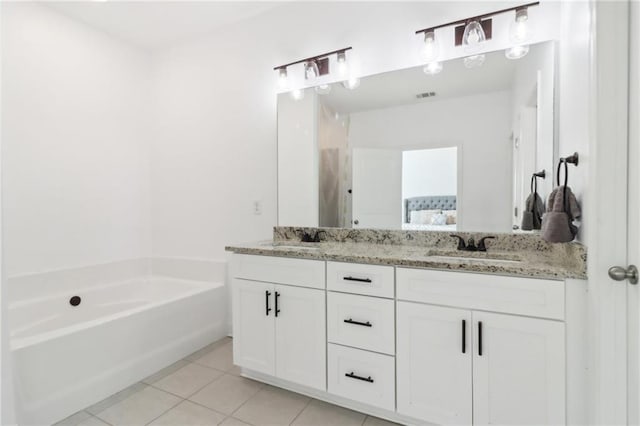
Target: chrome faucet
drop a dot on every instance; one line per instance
(470, 245)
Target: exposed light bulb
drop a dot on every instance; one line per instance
(431, 48)
(519, 33)
(517, 52)
(432, 68)
(343, 65)
(311, 70)
(283, 80)
(351, 83)
(474, 61)
(323, 89)
(520, 30)
(473, 36)
(297, 94)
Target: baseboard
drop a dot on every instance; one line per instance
(391, 416)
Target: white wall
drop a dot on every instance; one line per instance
(429, 172)
(74, 122)
(575, 91)
(216, 146)
(479, 126)
(298, 169)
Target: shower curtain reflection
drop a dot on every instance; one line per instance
(335, 172)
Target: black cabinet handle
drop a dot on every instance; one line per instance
(360, 280)
(365, 324)
(364, 379)
(464, 336)
(267, 293)
(479, 338)
(277, 309)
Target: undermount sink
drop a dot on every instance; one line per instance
(474, 256)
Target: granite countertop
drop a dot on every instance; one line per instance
(524, 258)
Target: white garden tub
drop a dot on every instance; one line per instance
(68, 357)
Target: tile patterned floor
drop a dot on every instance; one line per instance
(205, 388)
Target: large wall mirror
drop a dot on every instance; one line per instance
(407, 150)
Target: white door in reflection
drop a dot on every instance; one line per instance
(377, 188)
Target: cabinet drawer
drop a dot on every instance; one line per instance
(371, 280)
(523, 296)
(280, 270)
(361, 321)
(362, 376)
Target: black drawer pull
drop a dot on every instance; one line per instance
(360, 280)
(267, 293)
(277, 309)
(479, 338)
(364, 379)
(365, 324)
(464, 336)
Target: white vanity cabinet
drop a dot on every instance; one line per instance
(280, 329)
(456, 364)
(434, 372)
(416, 346)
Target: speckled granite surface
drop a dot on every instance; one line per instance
(523, 255)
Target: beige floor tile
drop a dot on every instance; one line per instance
(227, 393)
(140, 408)
(272, 406)
(74, 419)
(231, 421)
(220, 358)
(165, 372)
(93, 421)
(189, 414)
(116, 398)
(321, 414)
(200, 352)
(188, 380)
(375, 421)
(235, 370)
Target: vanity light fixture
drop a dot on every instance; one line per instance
(297, 94)
(323, 89)
(283, 80)
(519, 34)
(351, 83)
(317, 66)
(343, 65)
(311, 70)
(472, 32)
(431, 53)
(473, 36)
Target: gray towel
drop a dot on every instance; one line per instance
(557, 223)
(532, 216)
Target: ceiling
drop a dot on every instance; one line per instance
(154, 24)
(401, 87)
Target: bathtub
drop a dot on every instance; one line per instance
(69, 357)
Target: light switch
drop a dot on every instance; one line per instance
(257, 207)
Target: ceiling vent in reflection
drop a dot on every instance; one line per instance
(425, 95)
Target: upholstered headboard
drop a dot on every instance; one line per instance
(431, 202)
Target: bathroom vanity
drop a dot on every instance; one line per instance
(416, 332)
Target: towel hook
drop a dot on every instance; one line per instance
(534, 180)
(572, 159)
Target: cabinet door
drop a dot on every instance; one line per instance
(434, 360)
(518, 370)
(301, 339)
(254, 326)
